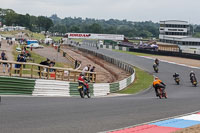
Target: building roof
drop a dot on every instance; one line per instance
(180, 22)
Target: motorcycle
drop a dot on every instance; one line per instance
(84, 90)
(162, 93)
(177, 80)
(193, 81)
(155, 67)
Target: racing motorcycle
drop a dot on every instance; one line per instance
(177, 80)
(162, 93)
(193, 81)
(84, 90)
(155, 67)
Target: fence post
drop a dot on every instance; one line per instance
(63, 72)
(40, 72)
(48, 73)
(93, 78)
(31, 71)
(55, 74)
(10, 70)
(74, 76)
(21, 68)
(68, 75)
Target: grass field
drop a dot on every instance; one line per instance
(143, 80)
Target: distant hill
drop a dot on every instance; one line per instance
(112, 26)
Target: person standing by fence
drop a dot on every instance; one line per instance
(3, 54)
(92, 70)
(4, 64)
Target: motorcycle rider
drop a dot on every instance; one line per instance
(81, 81)
(157, 61)
(192, 75)
(157, 83)
(176, 75)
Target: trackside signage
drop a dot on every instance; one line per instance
(96, 36)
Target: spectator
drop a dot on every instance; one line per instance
(76, 64)
(53, 62)
(50, 69)
(19, 59)
(4, 64)
(86, 68)
(3, 54)
(89, 67)
(46, 63)
(24, 57)
(92, 70)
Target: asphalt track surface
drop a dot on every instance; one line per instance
(76, 115)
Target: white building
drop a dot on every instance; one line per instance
(12, 28)
(177, 32)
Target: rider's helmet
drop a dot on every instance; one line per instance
(191, 72)
(156, 78)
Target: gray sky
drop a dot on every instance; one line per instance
(133, 10)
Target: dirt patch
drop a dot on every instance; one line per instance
(106, 72)
(193, 129)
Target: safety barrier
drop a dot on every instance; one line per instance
(51, 88)
(167, 53)
(16, 86)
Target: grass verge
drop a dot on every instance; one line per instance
(143, 80)
(134, 53)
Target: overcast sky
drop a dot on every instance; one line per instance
(133, 10)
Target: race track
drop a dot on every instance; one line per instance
(76, 115)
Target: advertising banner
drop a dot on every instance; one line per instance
(96, 36)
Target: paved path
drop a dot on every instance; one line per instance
(8, 50)
(51, 53)
(76, 115)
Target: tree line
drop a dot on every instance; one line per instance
(36, 24)
(79, 25)
(112, 26)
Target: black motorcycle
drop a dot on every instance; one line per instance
(193, 80)
(177, 80)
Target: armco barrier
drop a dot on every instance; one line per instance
(167, 53)
(16, 86)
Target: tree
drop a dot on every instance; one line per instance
(95, 28)
(44, 23)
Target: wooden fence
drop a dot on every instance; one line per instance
(33, 70)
